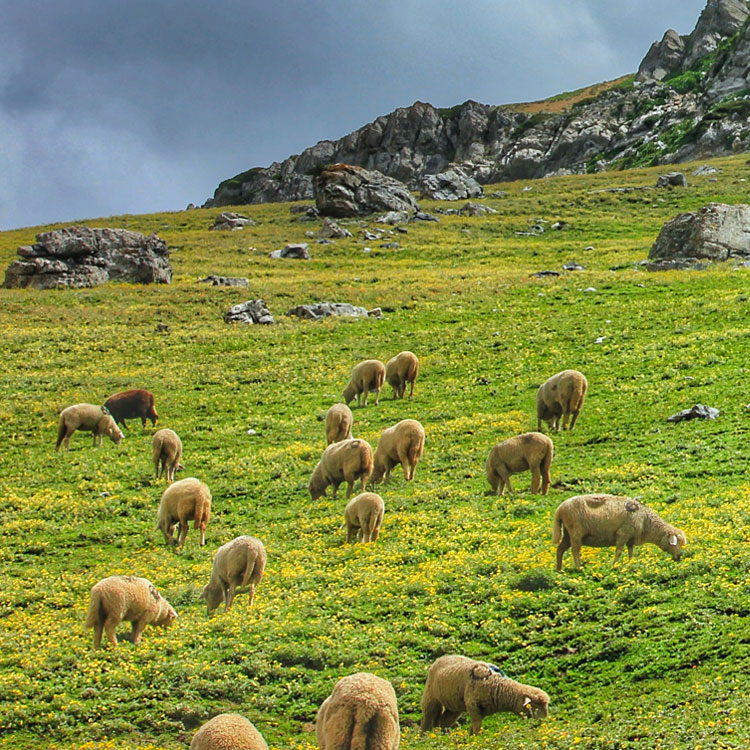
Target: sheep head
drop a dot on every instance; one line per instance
(349, 393)
(673, 541)
(213, 596)
(535, 703)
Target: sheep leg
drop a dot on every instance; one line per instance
(575, 548)
(229, 595)
(182, 533)
(351, 533)
(251, 595)
(536, 480)
(411, 391)
(350, 488)
(430, 715)
(138, 627)
(565, 418)
(630, 550)
(448, 718)
(110, 625)
(505, 484)
(574, 418)
(203, 534)
(476, 719)
(562, 548)
(335, 489)
(406, 467)
(377, 396)
(364, 396)
(98, 630)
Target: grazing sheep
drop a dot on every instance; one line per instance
(456, 684)
(366, 376)
(532, 450)
(167, 453)
(339, 421)
(132, 405)
(363, 517)
(119, 598)
(184, 501)
(360, 714)
(400, 370)
(345, 461)
(89, 418)
(401, 444)
(228, 732)
(562, 395)
(238, 563)
(611, 521)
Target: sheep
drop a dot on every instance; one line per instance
(363, 517)
(611, 521)
(131, 405)
(366, 376)
(532, 450)
(238, 563)
(119, 598)
(184, 501)
(401, 444)
(89, 418)
(228, 732)
(456, 684)
(345, 461)
(167, 453)
(400, 370)
(339, 421)
(360, 714)
(561, 395)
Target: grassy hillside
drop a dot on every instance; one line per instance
(652, 654)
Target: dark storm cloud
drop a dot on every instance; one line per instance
(110, 107)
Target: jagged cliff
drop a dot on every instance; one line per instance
(690, 99)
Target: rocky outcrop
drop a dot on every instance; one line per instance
(451, 185)
(320, 310)
(251, 312)
(79, 256)
(231, 221)
(215, 280)
(716, 232)
(676, 111)
(295, 250)
(344, 190)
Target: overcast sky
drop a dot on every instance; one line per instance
(133, 106)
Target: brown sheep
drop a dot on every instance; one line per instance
(366, 376)
(400, 370)
(228, 732)
(401, 444)
(611, 521)
(89, 418)
(532, 450)
(456, 684)
(238, 563)
(339, 421)
(345, 461)
(562, 395)
(167, 453)
(119, 598)
(360, 714)
(132, 405)
(363, 517)
(182, 502)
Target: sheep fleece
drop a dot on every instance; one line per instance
(228, 732)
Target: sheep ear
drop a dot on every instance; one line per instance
(105, 410)
(673, 540)
(526, 701)
(481, 672)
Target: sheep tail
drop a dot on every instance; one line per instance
(411, 375)
(547, 461)
(557, 525)
(366, 463)
(577, 395)
(93, 616)
(202, 511)
(250, 562)
(158, 442)
(415, 450)
(60, 432)
(369, 732)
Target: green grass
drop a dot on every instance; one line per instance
(650, 654)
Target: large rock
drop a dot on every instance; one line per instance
(345, 190)
(320, 310)
(250, 312)
(719, 20)
(663, 57)
(451, 185)
(715, 232)
(231, 221)
(79, 256)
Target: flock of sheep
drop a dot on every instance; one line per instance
(361, 712)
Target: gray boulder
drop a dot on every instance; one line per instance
(715, 232)
(320, 310)
(331, 230)
(699, 411)
(299, 250)
(79, 256)
(250, 312)
(671, 179)
(663, 57)
(231, 221)
(214, 280)
(451, 185)
(476, 209)
(344, 190)
(394, 217)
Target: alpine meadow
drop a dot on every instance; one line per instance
(650, 653)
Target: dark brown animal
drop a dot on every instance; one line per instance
(133, 404)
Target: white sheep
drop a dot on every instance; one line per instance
(456, 684)
(167, 448)
(89, 418)
(400, 370)
(228, 732)
(363, 517)
(401, 444)
(345, 461)
(532, 450)
(611, 521)
(360, 714)
(339, 421)
(367, 376)
(119, 598)
(561, 395)
(238, 563)
(182, 502)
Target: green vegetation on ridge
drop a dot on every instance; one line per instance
(651, 654)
